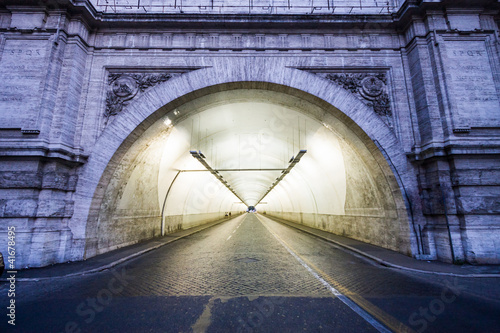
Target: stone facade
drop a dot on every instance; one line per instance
(79, 81)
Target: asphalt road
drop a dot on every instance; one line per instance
(252, 274)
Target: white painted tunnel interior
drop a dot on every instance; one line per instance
(338, 186)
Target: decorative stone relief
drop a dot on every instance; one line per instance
(125, 86)
(370, 88)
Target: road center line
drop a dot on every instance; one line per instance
(347, 301)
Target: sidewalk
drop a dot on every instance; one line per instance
(106, 260)
(395, 259)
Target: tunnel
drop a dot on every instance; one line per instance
(215, 152)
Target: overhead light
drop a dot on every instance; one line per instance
(293, 162)
(201, 158)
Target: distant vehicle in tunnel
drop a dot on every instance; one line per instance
(251, 209)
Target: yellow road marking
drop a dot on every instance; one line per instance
(376, 312)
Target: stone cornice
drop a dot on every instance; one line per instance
(419, 8)
(101, 20)
(432, 152)
(94, 20)
(41, 149)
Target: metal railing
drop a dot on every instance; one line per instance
(177, 6)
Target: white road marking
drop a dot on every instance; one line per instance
(347, 301)
(234, 230)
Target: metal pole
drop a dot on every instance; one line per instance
(165, 201)
(421, 238)
(447, 223)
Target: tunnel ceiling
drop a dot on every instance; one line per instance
(249, 136)
(251, 141)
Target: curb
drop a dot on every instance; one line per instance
(119, 261)
(383, 262)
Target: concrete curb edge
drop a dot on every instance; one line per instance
(119, 261)
(386, 263)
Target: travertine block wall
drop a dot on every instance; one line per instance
(70, 77)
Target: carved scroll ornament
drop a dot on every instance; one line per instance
(124, 87)
(370, 87)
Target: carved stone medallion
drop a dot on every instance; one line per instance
(371, 87)
(125, 87)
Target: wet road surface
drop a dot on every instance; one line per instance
(252, 274)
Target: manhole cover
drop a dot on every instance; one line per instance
(247, 260)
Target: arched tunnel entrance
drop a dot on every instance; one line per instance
(249, 137)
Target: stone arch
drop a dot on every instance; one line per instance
(223, 75)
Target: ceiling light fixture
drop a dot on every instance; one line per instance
(293, 161)
(202, 159)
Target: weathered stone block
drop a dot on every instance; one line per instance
(52, 208)
(461, 20)
(20, 179)
(27, 18)
(19, 207)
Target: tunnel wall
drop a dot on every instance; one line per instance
(181, 222)
(129, 211)
(131, 207)
(381, 231)
(374, 210)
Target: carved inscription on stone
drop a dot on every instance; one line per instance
(23, 68)
(473, 93)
